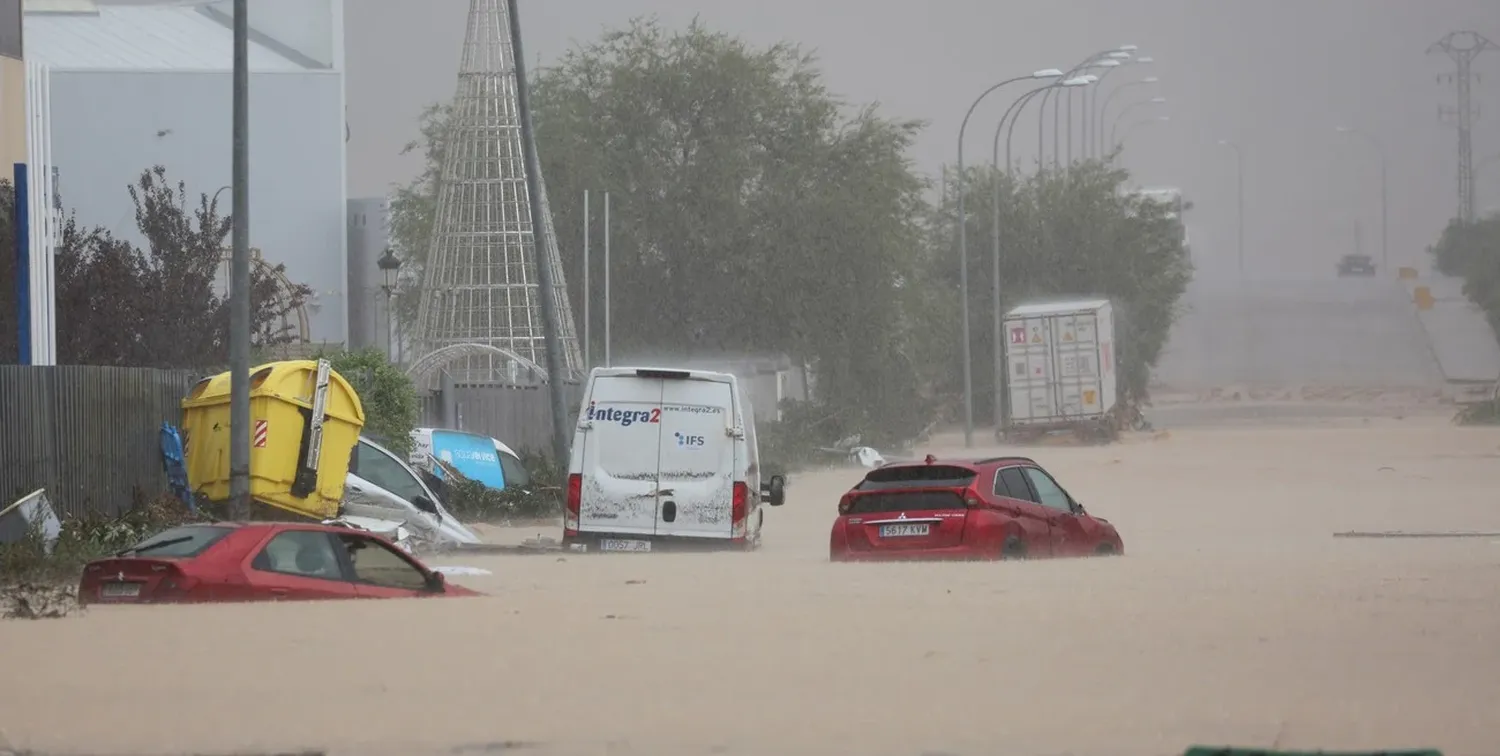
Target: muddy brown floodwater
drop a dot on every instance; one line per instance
(1234, 618)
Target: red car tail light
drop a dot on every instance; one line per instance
(846, 503)
(574, 503)
(971, 499)
(738, 510)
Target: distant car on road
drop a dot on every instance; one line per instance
(1356, 265)
(1000, 508)
(259, 561)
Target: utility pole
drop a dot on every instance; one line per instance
(608, 357)
(587, 293)
(1463, 47)
(551, 323)
(239, 275)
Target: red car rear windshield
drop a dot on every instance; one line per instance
(182, 542)
(916, 476)
(894, 489)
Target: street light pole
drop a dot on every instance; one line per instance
(1126, 111)
(239, 273)
(1012, 114)
(1385, 252)
(963, 256)
(1125, 135)
(390, 266)
(1104, 109)
(1239, 170)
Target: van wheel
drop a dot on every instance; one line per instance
(1014, 548)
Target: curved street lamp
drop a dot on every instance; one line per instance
(1126, 111)
(1012, 114)
(1385, 258)
(1094, 125)
(1104, 109)
(1109, 64)
(1041, 125)
(963, 248)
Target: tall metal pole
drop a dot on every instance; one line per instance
(587, 292)
(1463, 47)
(1385, 258)
(608, 360)
(1012, 114)
(963, 264)
(239, 275)
(551, 325)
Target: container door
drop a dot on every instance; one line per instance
(1029, 353)
(1075, 342)
(696, 495)
(621, 456)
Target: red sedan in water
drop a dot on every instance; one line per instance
(259, 561)
(1001, 508)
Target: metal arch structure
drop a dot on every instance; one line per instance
(422, 371)
(258, 262)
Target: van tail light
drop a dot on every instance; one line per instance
(574, 504)
(846, 503)
(739, 510)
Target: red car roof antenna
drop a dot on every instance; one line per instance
(931, 458)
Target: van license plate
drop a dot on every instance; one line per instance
(120, 590)
(897, 531)
(624, 544)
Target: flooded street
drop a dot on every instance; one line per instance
(1234, 618)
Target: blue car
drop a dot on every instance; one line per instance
(478, 458)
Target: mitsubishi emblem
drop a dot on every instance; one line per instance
(120, 576)
(902, 516)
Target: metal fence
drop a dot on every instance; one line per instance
(89, 435)
(517, 415)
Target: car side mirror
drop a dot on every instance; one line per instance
(436, 583)
(1076, 506)
(425, 504)
(774, 491)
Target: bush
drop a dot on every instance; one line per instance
(473, 501)
(387, 394)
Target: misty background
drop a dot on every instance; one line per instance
(1276, 76)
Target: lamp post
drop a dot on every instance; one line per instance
(1095, 135)
(1109, 64)
(1239, 172)
(1385, 250)
(1104, 109)
(1012, 114)
(1042, 115)
(963, 252)
(239, 269)
(390, 267)
(1115, 127)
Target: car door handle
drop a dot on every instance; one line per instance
(279, 592)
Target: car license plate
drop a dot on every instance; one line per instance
(897, 531)
(120, 590)
(624, 544)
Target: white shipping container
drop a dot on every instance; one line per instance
(1060, 361)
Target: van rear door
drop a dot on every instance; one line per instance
(697, 470)
(620, 455)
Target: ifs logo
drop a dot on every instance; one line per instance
(623, 417)
(689, 442)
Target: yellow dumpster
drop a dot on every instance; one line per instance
(289, 468)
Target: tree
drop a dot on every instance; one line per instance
(386, 392)
(156, 306)
(1471, 251)
(749, 212)
(1070, 233)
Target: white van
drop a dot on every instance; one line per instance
(664, 457)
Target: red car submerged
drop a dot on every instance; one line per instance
(259, 561)
(1001, 508)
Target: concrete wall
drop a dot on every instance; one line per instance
(1462, 341)
(368, 237)
(108, 126)
(12, 114)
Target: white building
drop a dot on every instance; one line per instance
(138, 84)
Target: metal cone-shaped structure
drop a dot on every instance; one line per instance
(480, 312)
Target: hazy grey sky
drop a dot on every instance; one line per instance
(1277, 76)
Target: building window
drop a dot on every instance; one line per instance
(10, 28)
